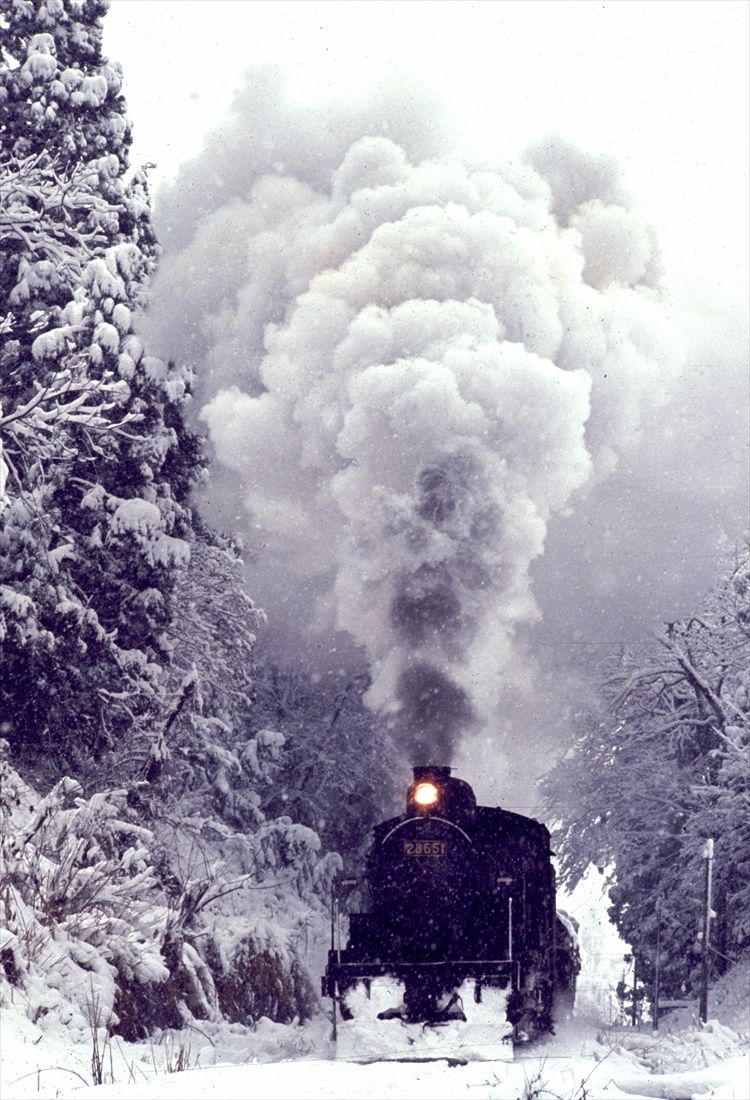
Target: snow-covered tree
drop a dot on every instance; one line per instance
(64, 140)
(61, 97)
(659, 767)
(337, 773)
(201, 758)
(97, 463)
(126, 639)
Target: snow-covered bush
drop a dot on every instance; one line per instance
(152, 926)
(77, 895)
(257, 980)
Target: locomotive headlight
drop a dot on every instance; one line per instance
(425, 794)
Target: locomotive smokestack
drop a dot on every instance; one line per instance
(437, 772)
(435, 789)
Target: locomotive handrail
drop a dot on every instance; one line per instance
(421, 965)
(432, 817)
(471, 967)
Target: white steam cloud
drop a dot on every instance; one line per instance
(410, 365)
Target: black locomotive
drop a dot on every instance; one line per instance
(457, 892)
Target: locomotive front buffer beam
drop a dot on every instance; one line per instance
(498, 973)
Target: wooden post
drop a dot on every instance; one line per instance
(708, 856)
(657, 966)
(333, 946)
(634, 1013)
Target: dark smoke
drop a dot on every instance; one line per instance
(434, 713)
(427, 609)
(431, 608)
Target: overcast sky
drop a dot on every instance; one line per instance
(663, 85)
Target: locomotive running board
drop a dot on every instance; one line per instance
(452, 970)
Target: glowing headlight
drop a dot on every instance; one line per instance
(425, 794)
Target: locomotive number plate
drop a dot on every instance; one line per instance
(425, 847)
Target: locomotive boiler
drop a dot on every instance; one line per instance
(458, 933)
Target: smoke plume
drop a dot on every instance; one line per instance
(410, 367)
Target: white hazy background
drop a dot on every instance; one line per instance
(263, 224)
(663, 86)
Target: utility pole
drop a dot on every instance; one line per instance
(634, 1013)
(708, 856)
(657, 966)
(334, 989)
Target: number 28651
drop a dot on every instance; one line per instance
(425, 847)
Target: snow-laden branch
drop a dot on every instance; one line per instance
(36, 427)
(54, 217)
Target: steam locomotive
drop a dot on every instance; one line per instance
(459, 921)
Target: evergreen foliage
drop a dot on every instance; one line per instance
(60, 96)
(661, 765)
(97, 461)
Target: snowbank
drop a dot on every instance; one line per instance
(228, 1061)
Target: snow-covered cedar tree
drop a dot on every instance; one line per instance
(97, 463)
(59, 96)
(659, 767)
(122, 657)
(337, 774)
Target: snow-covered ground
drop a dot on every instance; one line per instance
(583, 1061)
(579, 1063)
(593, 1056)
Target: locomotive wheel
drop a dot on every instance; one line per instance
(530, 1013)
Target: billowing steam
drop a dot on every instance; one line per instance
(410, 365)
